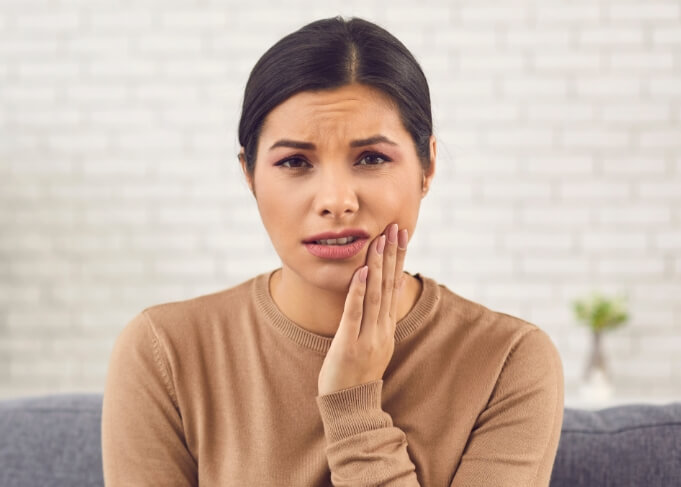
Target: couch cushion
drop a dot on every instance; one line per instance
(630, 445)
(51, 441)
(55, 441)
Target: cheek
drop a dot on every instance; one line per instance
(269, 203)
(272, 211)
(280, 211)
(400, 205)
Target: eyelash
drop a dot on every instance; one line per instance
(386, 159)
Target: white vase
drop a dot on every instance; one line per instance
(596, 384)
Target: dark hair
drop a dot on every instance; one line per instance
(330, 53)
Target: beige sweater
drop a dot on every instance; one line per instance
(221, 390)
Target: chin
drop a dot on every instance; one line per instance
(332, 278)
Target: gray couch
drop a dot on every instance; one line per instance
(54, 441)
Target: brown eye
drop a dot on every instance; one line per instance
(292, 163)
(373, 159)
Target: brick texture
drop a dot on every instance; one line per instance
(559, 169)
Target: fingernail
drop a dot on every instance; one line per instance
(363, 274)
(403, 239)
(392, 233)
(381, 244)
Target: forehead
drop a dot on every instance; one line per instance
(351, 109)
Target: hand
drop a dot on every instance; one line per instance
(365, 340)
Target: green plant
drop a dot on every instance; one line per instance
(601, 313)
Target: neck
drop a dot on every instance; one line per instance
(293, 296)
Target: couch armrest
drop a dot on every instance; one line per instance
(628, 445)
(51, 440)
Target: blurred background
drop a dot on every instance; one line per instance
(558, 173)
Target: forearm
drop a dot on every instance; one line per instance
(363, 445)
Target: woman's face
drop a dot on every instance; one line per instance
(317, 171)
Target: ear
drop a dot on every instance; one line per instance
(428, 176)
(242, 161)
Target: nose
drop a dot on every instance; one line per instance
(336, 194)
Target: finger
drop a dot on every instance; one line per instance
(351, 321)
(372, 298)
(388, 285)
(402, 240)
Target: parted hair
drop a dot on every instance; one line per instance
(330, 53)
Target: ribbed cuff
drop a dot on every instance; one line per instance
(351, 411)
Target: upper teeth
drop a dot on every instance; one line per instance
(337, 241)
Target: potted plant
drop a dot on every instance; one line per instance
(600, 314)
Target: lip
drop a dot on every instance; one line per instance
(349, 232)
(336, 252)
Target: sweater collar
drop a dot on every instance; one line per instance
(417, 315)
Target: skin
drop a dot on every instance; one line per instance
(334, 186)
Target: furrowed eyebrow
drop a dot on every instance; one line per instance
(372, 140)
(296, 144)
(292, 143)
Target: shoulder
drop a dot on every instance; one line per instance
(175, 321)
(476, 320)
(476, 330)
(202, 306)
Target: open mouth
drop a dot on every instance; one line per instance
(338, 248)
(336, 241)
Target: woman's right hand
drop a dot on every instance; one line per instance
(364, 343)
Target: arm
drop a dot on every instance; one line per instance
(515, 439)
(143, 441)
(363, 446)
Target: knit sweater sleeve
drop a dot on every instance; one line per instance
(363, 447)
(515, 439)
(143, 441)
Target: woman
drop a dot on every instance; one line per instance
(339, 367)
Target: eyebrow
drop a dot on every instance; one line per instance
(309, 146)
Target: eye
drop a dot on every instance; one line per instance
(291, 163)
(372, 157)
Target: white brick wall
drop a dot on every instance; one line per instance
(559, 171)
